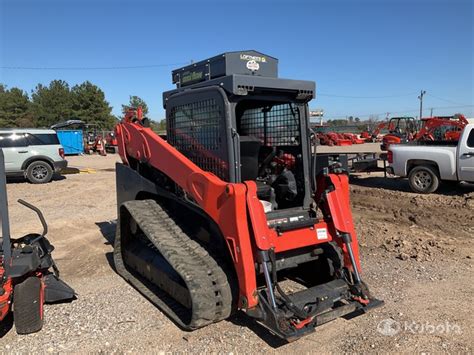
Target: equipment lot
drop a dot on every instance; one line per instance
(416, 255)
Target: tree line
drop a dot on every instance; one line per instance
(58, 102)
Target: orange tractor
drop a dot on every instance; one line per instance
(442, 128)
(438, 128)
(231, 209)
(401, 130)
(373, 136)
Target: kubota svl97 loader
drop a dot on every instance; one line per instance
(230, 212)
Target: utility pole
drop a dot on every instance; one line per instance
(422, 93)
(431, 113)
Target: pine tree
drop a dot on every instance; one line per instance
(90, 106)
(15, 108)
(52, 104)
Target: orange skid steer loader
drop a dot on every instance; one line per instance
(231, 207)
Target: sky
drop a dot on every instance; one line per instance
(367, 57)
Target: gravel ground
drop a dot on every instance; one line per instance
(416, 255)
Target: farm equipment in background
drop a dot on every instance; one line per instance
(401, 130)
(439, 128)
(373, 136)
(102, 142)
(353, 138)
(231, 212)
(442, 128)
(111, 143)
(28, 274)
(333, 138)
(323, 139)
(366, 136)
(94, 143)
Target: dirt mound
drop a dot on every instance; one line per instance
(419, 249)
(437, 214)
(411, 226)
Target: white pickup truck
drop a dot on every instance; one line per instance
(427, 164)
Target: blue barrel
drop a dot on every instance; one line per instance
(72, 141)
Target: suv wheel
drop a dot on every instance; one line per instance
(39, 172)
(423, 179)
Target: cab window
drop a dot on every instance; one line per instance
(12, 140)
(470, 139)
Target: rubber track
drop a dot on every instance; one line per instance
(207, 284)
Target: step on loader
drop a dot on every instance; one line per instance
(230, 211)
(28, 274)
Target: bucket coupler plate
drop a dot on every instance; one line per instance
(333, 300)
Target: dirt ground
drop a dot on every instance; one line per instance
(416, 253)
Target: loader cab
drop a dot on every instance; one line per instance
(274, 147)
(231, 115)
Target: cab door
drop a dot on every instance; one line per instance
(15, 150)
(466, 155)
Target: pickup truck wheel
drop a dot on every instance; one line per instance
(423, 179)
(39, 172)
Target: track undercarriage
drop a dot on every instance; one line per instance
(170, 268)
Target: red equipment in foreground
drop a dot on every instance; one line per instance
(231, 207)
(26, 281)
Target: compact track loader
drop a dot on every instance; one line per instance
(231, 210)
(28, 274)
